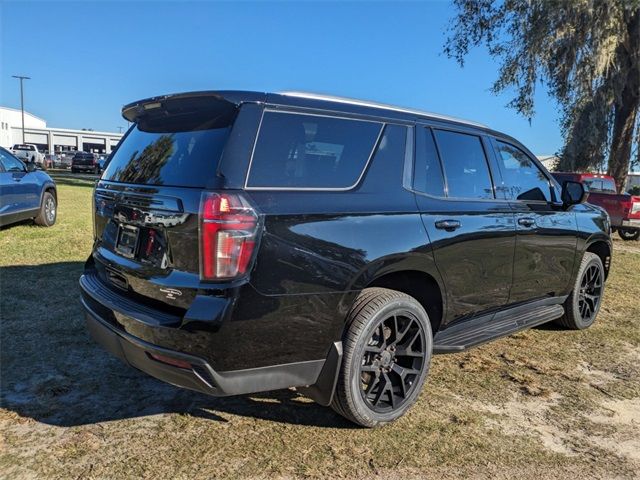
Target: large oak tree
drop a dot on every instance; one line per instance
(587, 54)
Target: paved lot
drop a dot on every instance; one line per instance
(539, 404)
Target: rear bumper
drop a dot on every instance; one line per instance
(631, 223)
(200, 376)
(84, 167)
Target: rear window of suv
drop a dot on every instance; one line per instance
(304, 151)
(185, 158)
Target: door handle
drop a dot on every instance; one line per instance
(526, 222)
(448, 225)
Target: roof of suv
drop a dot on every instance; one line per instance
(300, 99)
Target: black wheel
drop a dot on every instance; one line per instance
(387, 351)
(48, 210)
(583, 304)
(629, 233)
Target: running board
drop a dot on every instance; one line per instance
(484, 329)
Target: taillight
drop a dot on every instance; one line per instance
(228, 230)
(635, 208)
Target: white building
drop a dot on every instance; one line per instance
(51, 139)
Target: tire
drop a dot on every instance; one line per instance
(48, 210)
(73, 170)
(629, 233)
(388, 343)
(582, 305)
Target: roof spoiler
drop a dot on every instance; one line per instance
(190, 103)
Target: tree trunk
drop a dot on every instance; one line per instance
(626, 107)
(620, 156)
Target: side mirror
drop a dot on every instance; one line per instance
(31, 166)
(573, 193)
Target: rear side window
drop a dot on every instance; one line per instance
(299, 151)
(185, 158)
(522, 178)
(427, 174)
(601, 185)
(465, 165)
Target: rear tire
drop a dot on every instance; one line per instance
(387, 351)
(48, 210)
(583, 303)
(629, 234)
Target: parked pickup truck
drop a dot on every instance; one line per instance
(623, 209)
(28, 153)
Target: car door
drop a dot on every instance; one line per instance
(20, 188)
(546, 233)
(471, 232)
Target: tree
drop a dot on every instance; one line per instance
(587, 54)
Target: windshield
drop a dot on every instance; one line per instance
(188, 159)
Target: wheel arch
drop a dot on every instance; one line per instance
(602, 248)
(419, 285)
(415, 274)
(51, 188)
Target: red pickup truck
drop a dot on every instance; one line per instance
(623, 209)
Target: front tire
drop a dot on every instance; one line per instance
(629, 234)
(48, 210)
(387, 351)
(583, 303)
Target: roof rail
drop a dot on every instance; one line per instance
(365, 103)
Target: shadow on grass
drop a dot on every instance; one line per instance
(51, 371)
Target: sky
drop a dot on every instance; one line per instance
(87, 59)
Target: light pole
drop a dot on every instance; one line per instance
(119, 129)
(22, 78)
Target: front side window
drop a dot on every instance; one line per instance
(465, 165)
(301, 151)
(10, 163)
(523, 180)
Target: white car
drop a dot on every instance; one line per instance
(28, 153)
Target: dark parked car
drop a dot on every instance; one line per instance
(247, 242)
(85, 162)
(25, 192)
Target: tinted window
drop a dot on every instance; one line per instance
(427, 174)
(309, 151)
(188, 159)
(10, 163)
(523, 180)
(465, 165)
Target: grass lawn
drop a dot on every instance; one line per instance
(539, 404)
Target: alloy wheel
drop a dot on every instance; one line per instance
(50, 210)
(392, 361)
(590, 292)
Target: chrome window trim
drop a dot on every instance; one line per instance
(311, 189)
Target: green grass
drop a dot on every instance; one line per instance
(531, 405)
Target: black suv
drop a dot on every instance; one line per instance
(247, 242)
